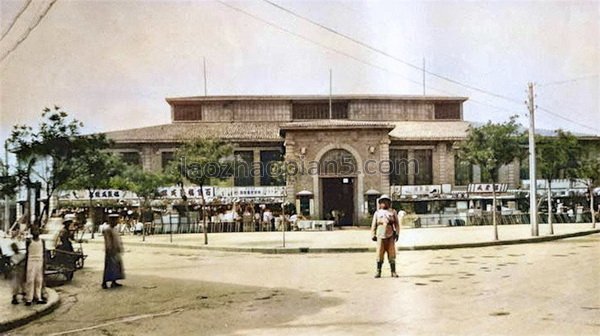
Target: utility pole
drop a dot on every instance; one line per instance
(6, 198)
(532, 177)
(330, 93)
(424, 91)
(204, 72)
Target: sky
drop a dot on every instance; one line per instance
(111, 64)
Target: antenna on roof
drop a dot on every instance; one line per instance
(205, 89)
(330, 93)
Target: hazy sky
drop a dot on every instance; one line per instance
(112, 63)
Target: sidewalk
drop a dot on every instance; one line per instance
(359, 240)
(13, 316)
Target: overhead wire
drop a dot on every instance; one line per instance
(15, 19)
(567, 81)
(28, 32)
(383, 52)
(343, 53)
(468, 86)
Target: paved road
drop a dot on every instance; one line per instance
(546, 288)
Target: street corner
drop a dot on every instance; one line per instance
(13, 316)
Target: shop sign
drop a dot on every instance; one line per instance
(249, 192)
(410, 190)
(485, 188)
(101, 194)
(190, 192)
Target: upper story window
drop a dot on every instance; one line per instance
(319, 110)
(243, 175)
(187, 112)
(132, 158)
(448, 111)
(166, 158)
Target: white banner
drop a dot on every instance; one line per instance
(190, 192)
(485, 188)
(102, 194)
(249, 192)
(408, 190)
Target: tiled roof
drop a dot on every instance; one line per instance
(176, 132)
(263, 131)
(430, 130)
(314, 97)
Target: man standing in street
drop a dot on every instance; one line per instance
(35, 268)
(113, 263)
(384, 230)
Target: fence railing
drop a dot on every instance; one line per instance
(431, 220)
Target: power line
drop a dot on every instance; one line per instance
(375, 65)
(319, 44)
(380, 68)
(468, 86)
(383, 52)
(566, 81)
(29, 30)
(567, 119)
(15, 19)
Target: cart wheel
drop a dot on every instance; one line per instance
(79, 263)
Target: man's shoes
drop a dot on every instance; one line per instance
(116, 284)
(104, 286)
(28, 303)
(395, 275)
(42, 301)
(14, 300)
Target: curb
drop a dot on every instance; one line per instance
(305, 250)
(35, 313)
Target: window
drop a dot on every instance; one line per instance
(131, 158)
(270, 170)
(305, 205)
(524, 170)
(319, 110)
(243, 169)
(372, 203)
(463, 172)
(165, 158)
(423, 167)
(450, 111)
(399, 167)
(187, 112)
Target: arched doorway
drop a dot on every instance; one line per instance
(337, 175)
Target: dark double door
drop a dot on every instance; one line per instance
(338, 194)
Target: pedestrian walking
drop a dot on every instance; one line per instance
(34, 278)
(17, 273)
(113, 263)
(385, 229)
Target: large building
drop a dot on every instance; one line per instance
(345, 151)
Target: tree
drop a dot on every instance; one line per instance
(144, 184)
(94, 170)
(199, 161)
(492, 146)
(557, 156)
(8, 183)
(589, 170)
(50, 154)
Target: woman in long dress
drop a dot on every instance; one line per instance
(113, 263)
